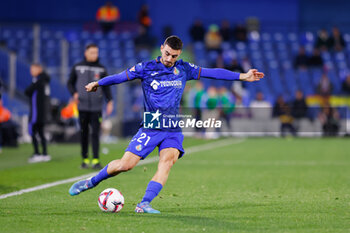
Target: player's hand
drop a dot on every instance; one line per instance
(91, 87)
(252, 75)
(109, 108)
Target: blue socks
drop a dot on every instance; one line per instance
(102, 175)
(152, 191)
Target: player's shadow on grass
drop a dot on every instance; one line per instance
(188, 220)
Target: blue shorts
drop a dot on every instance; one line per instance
(146, 140)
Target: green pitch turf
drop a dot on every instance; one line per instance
(258, 185)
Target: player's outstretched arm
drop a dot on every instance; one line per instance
(223, 74)
(106, 81)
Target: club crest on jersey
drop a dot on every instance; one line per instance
(97, 76)
(138, 147)
(176, 71)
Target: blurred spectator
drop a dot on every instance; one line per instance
(346, 85)
(213, 38)
(198, 99)
(329, 118)
(337, 41)
(39, 99)
(227, 105)
(225, 30)
(278, 107)
(246, 64)
(301, 60)
(260, 108)
(240, 33)
(323, 41)
(89, 104)
(197, 31)
(107, 16)
(144, 18)
(211, 111)
(299, 106)
(235, 66)
(325, 87)
(286, 120)
(315, 61)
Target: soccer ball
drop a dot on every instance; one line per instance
(111, 200)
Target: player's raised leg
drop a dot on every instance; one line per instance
(126, 163)
(167, 158)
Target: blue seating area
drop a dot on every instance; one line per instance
(274, 53)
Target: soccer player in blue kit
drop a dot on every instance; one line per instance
(163, 82)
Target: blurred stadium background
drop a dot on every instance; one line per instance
(262, 34)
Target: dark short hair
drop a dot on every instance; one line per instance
(174, 42)
(91, 45)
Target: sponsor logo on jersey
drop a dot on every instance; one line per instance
(155, 84)
(154, 73)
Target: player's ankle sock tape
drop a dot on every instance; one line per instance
(152, 191)
(95, 161)
(102, 175)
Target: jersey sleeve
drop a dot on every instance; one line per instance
(193, 71)
(135, 72)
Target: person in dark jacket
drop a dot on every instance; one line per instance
(89, 103)
(39, 97)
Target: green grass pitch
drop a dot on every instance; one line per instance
(257, 185)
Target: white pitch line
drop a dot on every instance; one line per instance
(190, 150)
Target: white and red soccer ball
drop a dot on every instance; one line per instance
(111, 200)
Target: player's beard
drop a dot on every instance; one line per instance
(166, 63)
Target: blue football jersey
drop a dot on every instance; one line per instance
(163, 86)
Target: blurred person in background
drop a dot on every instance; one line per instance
(227, 105)
(107, 15)
(324, 87)
(346, 85)
(198, 104)
(226, 31)
(301, 61)
(211, 111)
(39, 98)
(323, 41)
(278, 107)
(329, 118)
(315, 60)
(197, 31)
(213, 39)
(299, 108)
(286, 119)
(143, 17)
(337, 41)
(240, 32)
(89, 104)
